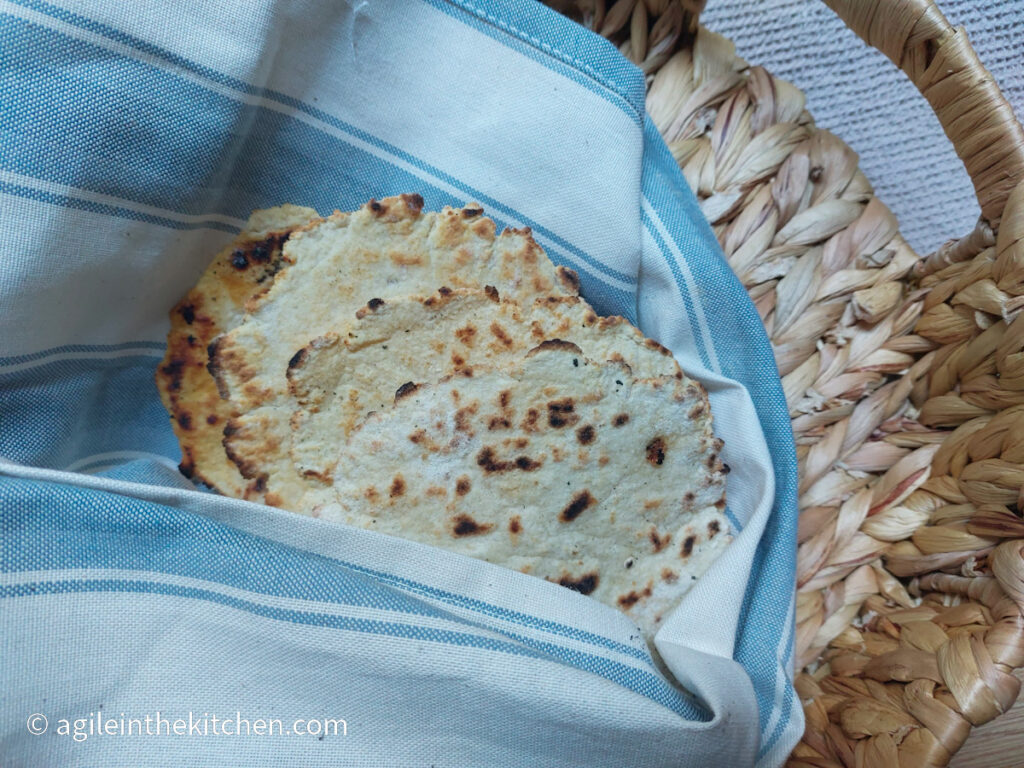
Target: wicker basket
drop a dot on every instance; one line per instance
(904, 375)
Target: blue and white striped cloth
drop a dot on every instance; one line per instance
(134, 140)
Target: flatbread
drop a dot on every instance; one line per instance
(335, 266)
(337, 379)
(561, 467)
(417, 375)
(217, 303)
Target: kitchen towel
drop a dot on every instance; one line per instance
(145, 622)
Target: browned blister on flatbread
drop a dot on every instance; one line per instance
(558, 466)
(215, 304)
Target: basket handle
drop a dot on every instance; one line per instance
(940, 61)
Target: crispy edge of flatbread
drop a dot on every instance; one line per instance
(241, 270)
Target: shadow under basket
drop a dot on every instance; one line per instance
(904, 375)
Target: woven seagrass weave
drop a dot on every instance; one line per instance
(904, 375)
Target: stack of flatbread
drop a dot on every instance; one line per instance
(420, 375)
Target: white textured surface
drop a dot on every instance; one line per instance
(855, 92)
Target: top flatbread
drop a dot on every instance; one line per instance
(335, 266)
(561, 467)
(337, 379)
(214, 305)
